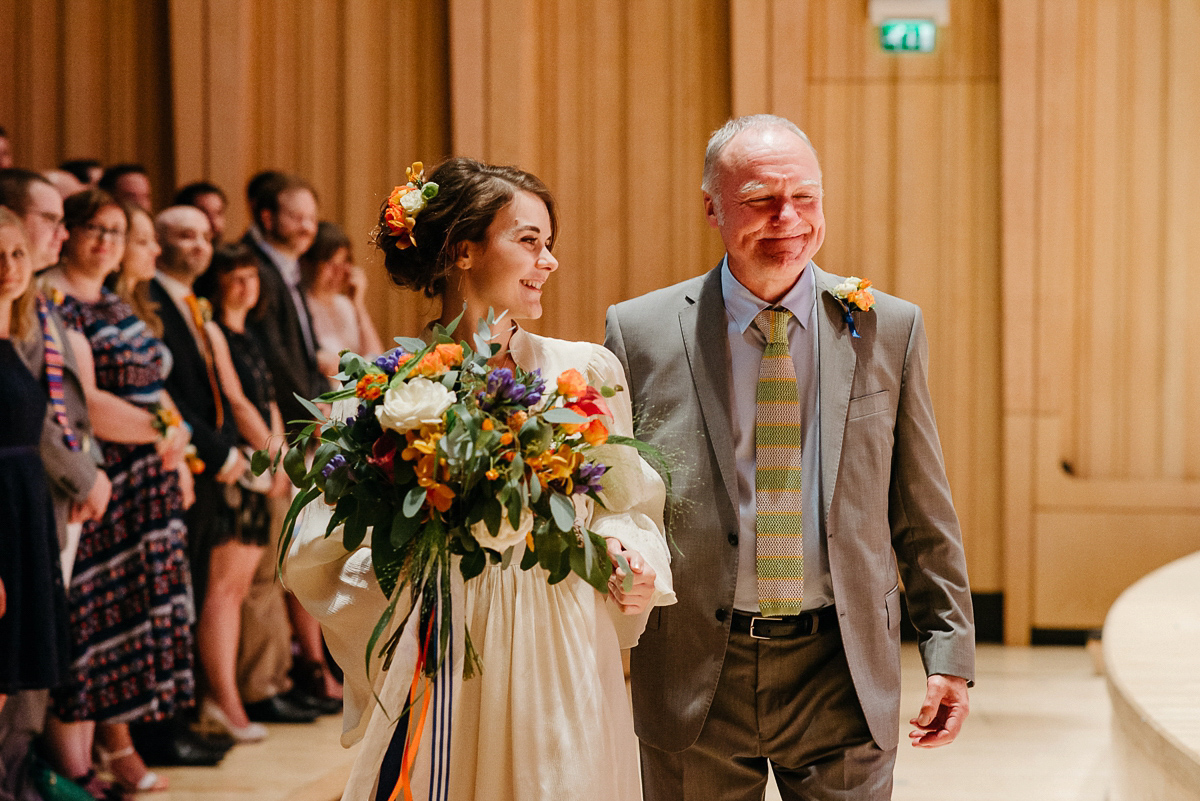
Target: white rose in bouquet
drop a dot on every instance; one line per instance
(507, 536)
(407, 405)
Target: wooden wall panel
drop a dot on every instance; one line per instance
(1099, 143)
(910, 154)
(610, 103)
(88, 80)
(345, 94)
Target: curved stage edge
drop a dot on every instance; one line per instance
(1152, 662)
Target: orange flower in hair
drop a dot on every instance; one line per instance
(406, 202)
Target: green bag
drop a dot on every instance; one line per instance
(54, 787)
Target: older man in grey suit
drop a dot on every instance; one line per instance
(808, 469)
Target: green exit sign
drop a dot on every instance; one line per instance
(908, 35)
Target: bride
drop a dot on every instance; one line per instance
(548, 716)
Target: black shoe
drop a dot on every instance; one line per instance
(182, 748)
(317, 703)
(279, 710)
(212, 740)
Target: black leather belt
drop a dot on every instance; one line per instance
(784, 628)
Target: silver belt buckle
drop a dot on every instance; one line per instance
(754, 636)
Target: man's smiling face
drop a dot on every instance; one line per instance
(767, 206)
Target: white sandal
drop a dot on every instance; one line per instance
(150, 782)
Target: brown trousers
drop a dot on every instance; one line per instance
(788, 702)
(265, 652)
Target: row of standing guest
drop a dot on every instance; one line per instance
(138, 577)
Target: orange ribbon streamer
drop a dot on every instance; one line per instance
(413, 741)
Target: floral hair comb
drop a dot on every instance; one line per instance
(406, 202)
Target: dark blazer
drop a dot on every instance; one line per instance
(276, 323)
(885, 498)
(189, 387)
(71, 473)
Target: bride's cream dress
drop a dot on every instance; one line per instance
(548, 717)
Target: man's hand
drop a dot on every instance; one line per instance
(92, 507)
(942, 715)
(634, 601)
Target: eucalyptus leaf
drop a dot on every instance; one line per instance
(561, 415)
(563, 511)
(623, 563)
(492, 514)
(312, 407)
(356, 526)
(413, 501)
(607, 391)
(410, 344)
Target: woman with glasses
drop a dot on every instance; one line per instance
(130, 596)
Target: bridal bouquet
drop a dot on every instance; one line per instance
(446, 456)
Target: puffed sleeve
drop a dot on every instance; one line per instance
(339, 589)
(633, 498)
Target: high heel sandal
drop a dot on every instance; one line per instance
(211, 717)
(99, 789)
(150, 782)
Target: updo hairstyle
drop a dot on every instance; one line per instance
(470, 193)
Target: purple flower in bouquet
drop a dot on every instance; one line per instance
(503, 389)
(333, 464)
(589, 478)
(388, 362)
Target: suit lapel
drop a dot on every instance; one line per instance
(837, 363)
(702, 323)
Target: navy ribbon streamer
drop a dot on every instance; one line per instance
(849, 318)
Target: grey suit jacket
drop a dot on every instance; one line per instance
(885, 498)
(71, 473)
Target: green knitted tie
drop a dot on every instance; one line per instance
(778, 437)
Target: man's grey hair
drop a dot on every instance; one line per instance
(723, 135)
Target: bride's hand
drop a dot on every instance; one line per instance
(638, 598)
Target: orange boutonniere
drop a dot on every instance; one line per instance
(855, 295)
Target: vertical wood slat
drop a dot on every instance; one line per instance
(749, 40)
(1020, 65)
(1144, 154)
(1181, 387)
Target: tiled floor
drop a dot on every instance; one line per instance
(1038, 730)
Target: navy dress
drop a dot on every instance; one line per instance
(33, 631)
(130, 598)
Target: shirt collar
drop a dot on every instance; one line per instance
(287, 265)
(743, 306)
(176, 289)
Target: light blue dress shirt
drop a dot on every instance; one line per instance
(746, 344)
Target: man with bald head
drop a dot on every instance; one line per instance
(811, 470)
(185, 238)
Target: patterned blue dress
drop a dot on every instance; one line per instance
(130, 598)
